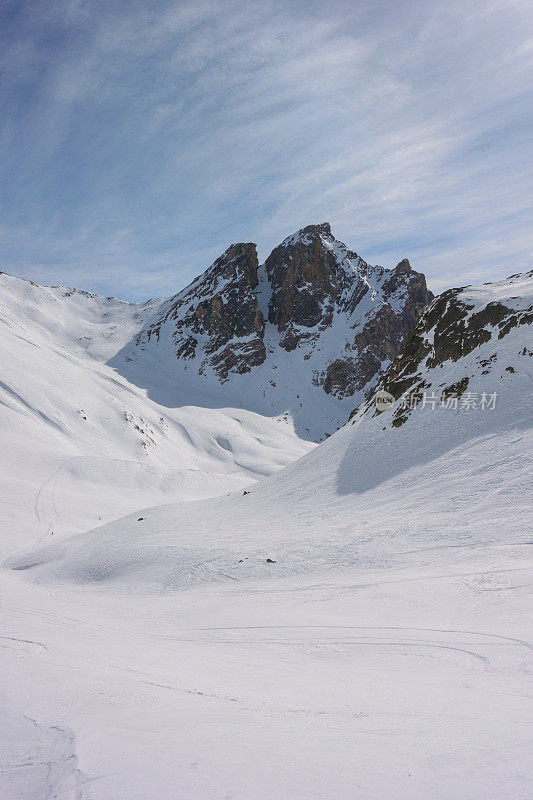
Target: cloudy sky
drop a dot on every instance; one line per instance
(139, 139)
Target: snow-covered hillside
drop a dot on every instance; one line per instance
(82, 445)
(357, 625)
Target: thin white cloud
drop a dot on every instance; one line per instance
(140, 140)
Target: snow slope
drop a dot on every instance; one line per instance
(82, 445)
(36, 759)
(357, 625)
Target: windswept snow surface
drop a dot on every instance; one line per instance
(356, 626)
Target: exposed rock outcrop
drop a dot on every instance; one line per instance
(317, 282)
(461, 327)
(306, 281)
(218, 315)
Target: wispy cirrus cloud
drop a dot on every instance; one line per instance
(139, 140)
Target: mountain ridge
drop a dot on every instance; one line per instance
(313, 323)
(308, 278)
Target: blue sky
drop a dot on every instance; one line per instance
(139, 139)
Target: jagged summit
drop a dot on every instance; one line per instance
(219, 308)
(308, 233)
(308, 273)
(314, 320)
(303, 337)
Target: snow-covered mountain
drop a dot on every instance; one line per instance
(237, 376)
(303, 336)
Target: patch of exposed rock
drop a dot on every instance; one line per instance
(218, 315)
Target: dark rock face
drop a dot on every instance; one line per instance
(451, 328)
(341, 375)
(456, 333)
(314, 278)
(344, 377)
(221, 308)
(304, 281)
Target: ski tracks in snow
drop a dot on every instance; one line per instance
(45, 508)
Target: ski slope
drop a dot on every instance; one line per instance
(357, 625)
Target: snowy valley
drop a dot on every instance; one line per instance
(228, 573)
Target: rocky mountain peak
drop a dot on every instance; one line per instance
(220, 310)
(303, 273)
(308, 233)
(314, 304)
(403, 267)
(239, 263)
